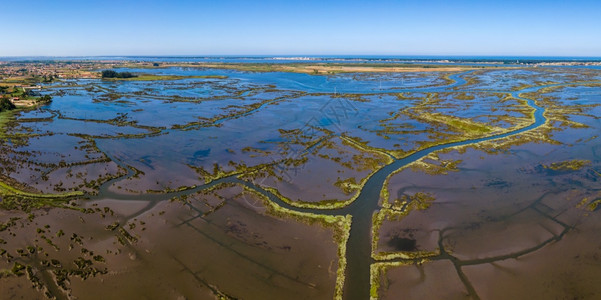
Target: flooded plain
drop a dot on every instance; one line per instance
(224, 184)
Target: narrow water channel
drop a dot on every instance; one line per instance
(357, 284)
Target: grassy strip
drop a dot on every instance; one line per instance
(6, 189)
(362, 146)
(468, 127)
(377, 270)
(324, 204)
(13, 198)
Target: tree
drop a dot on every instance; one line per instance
(109, 74)
(5, 104)
(125, 75)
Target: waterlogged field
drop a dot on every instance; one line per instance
(223, 184)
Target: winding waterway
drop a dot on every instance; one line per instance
(357, 284)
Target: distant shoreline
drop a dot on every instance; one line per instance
(451, 60)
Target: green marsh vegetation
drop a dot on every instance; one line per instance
(364, 145)
(569, 165)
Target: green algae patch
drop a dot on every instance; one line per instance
(568, 165)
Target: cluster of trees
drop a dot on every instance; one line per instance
(114, 74)
(48, 78)
(30, 93)
(45, 99)
(5, 104)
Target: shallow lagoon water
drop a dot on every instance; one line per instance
(177, 175)
(341, 83)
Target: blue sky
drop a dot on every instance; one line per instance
(232, 27)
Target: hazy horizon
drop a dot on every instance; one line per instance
(318, 56)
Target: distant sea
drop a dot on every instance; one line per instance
(493, 60)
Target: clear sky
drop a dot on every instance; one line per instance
(323, 27)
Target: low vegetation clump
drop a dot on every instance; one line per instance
(569, 165)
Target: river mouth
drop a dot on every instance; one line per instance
(253, 185)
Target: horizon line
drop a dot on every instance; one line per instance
(440, 56)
